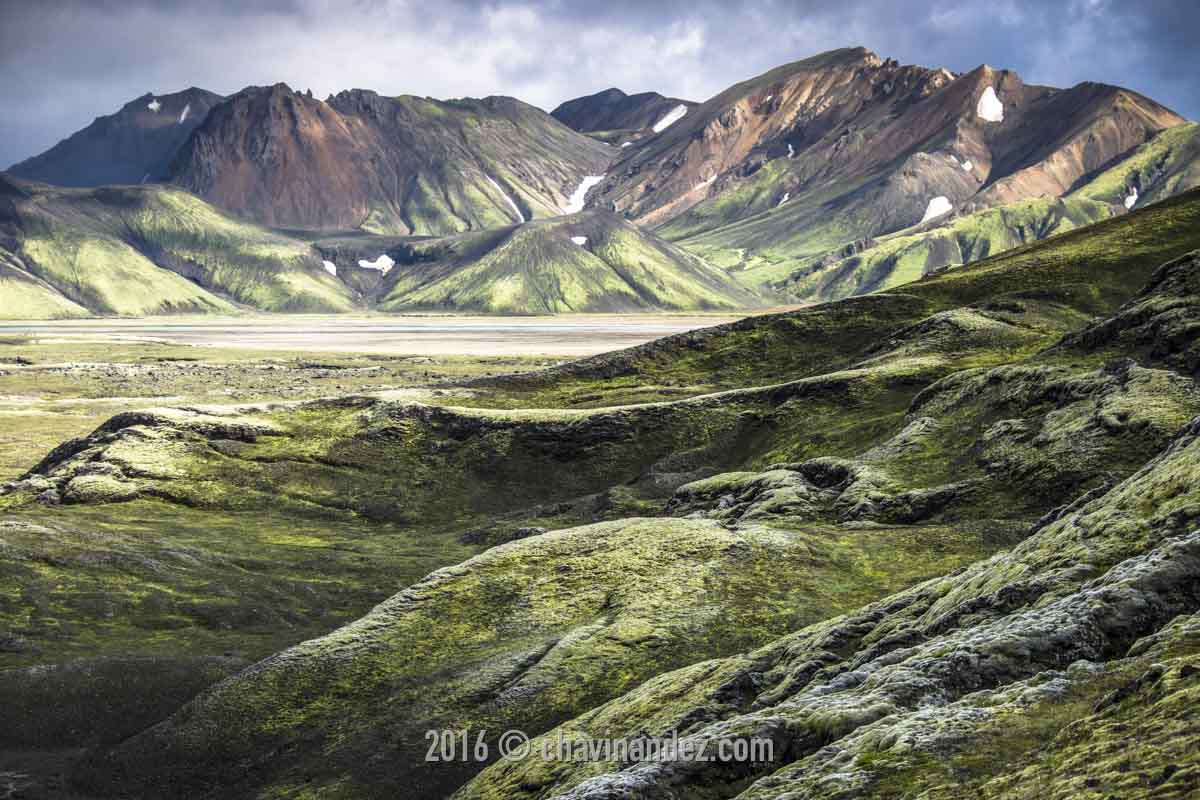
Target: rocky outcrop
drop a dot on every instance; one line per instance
(931, 673)
(1161, 322)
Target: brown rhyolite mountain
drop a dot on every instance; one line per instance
(400, 165)
(872, 141)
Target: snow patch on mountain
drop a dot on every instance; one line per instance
(1132, 198)
(512, 203)
(154, 105)
(184, 114)
(967, 166)
(330, 267)
(384, 264)
(791, 151)
(673, 116)
(786, 196)
(937, 207)
(575, 201)
(989, 108)
(626, 144)
(579, 240)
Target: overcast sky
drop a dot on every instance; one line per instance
(64, 62)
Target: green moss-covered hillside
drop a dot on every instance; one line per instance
(585, 262)
(936, 537)
(137, 250)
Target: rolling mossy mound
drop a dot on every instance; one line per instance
(930, 538)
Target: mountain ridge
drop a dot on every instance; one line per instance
(399, 165)
(613, 111)
(132, 145)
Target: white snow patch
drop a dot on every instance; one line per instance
(575, 201)
(989, 108)
(937, 207)
(767, 99)
(786, 196)
(967, 166)
(579, 240)
(330, 267)
(954, 158)
(1132, 198)
(511, 202)
(384, 264)
(183, 114)
(791, 151)
(154, 105)
(673, 116)
(626, 144)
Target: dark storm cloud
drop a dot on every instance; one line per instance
(63, 63)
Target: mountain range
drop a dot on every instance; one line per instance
(833, 176)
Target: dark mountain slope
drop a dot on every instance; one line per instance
(134, 145)
(613, 110)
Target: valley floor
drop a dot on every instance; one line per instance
(61, 379)
(53, 388)
(434, 334)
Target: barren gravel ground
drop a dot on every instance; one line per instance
(574, 335)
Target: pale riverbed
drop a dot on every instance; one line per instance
(573, 335)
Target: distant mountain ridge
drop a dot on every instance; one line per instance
(133, 145)
(613, 110)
